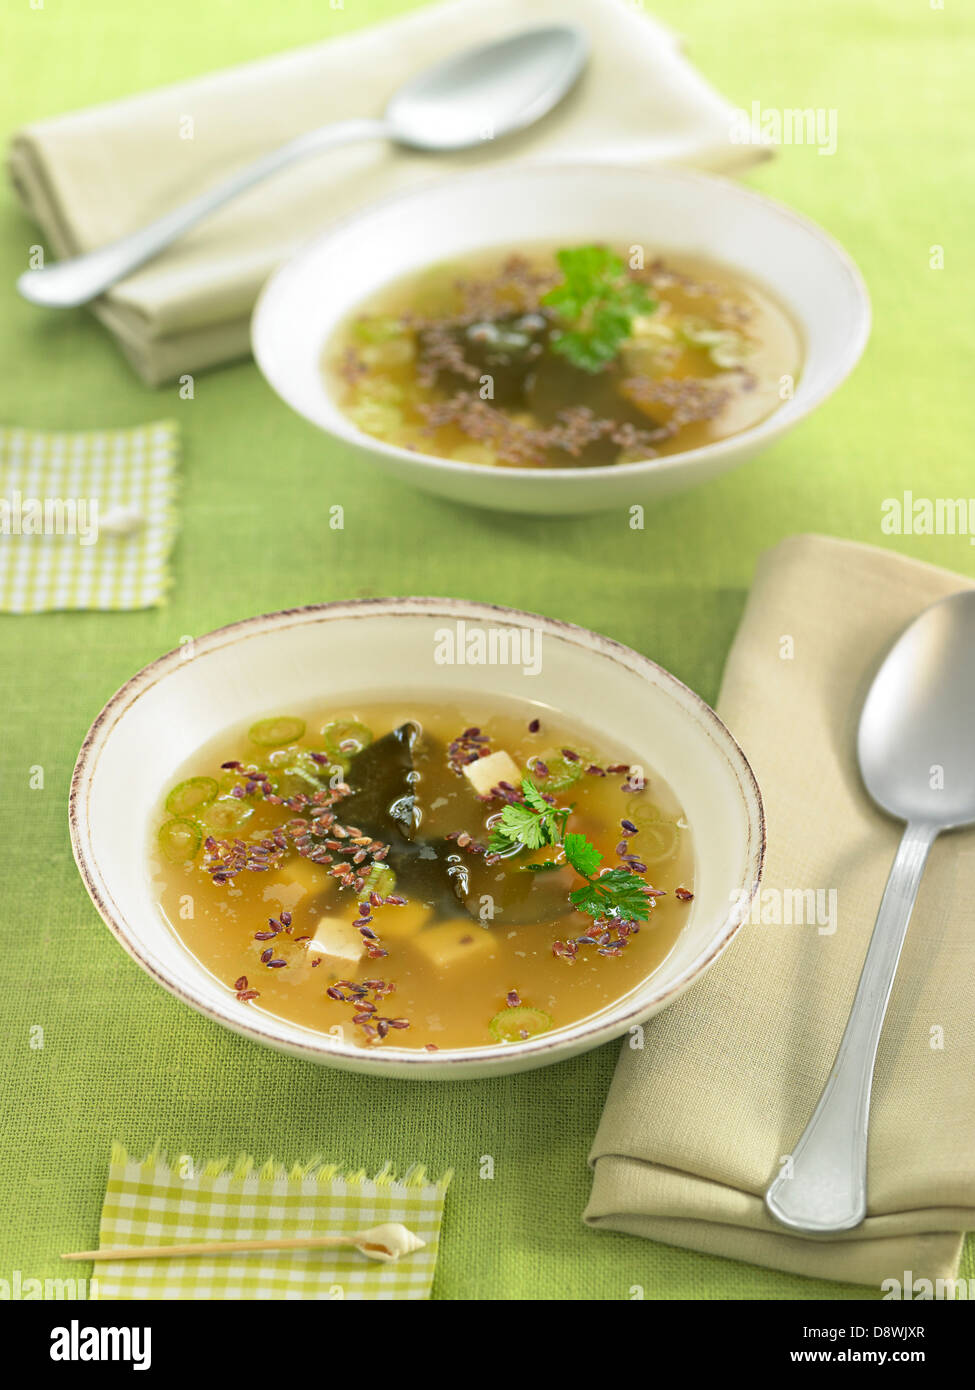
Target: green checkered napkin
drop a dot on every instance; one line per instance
(86, 520)
(155, 1202)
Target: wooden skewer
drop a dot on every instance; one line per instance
(386, 1243)
(209, 1247)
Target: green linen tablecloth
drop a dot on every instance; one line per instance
(93, 1051)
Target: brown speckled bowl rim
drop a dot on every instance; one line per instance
(599, 1028)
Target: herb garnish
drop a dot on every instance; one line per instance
(529, 824)
(617, 893)
(597, 301)
(536, 822)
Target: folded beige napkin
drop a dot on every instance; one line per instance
(94, 175)
(697, 1121)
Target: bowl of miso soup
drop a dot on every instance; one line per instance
(559, 339)
(516, 840)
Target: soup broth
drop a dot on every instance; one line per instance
(338, 869)
(561, 359)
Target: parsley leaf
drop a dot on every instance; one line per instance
(582, 854)
(597, 302)
(534, 822)
(533, 797)
(528, 824)
(617, 893)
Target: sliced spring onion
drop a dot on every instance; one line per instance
(731, 353)
(700, 333)
(515, 1025)
(377, 328)
(230, 779)
(396, 353)
(179, 839)
(346, 737)
(295, 770)
(376, 419)
(380, 879)
(383, 391)
(724, 346)
(651, 326)
(190, 795)
(562, 771)
(227, 813)
(657, 838)
(276, 733)
(658, 841)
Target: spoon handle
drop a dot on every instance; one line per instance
(822, 1188)
(81, 278)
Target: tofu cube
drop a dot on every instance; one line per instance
(312, 878)
(488, 772)
(338, 943)
(399, 923)
(297, 881)
(455, 943)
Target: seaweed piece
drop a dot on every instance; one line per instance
(521, 898)
(385, 804)
(383, 779)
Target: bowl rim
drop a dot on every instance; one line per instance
(609, 1023)
(764, 431)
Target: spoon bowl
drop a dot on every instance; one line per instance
(488, 91)
(917, 722)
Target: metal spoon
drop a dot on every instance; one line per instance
(916, 749)
(476, 96)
